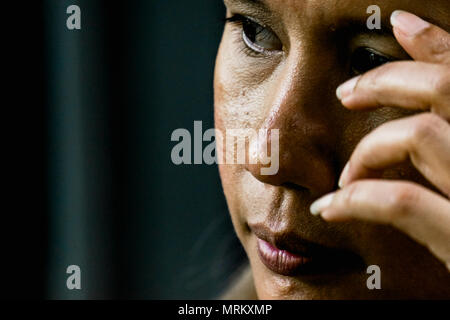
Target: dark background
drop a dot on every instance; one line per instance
(96, 186)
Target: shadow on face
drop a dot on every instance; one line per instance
(278, 67)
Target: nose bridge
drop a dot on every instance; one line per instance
(298, 109)
(301, 92)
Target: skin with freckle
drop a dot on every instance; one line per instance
(293, 90)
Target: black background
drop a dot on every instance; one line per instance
(88, 116)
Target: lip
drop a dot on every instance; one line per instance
(280, 261)
(287, 254)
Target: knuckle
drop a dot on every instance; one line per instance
(350, 195)
(428, 126)
(442, 85)
(402, 200)
(363, 148)
(440, 48)
(374, 81)
(372, 78)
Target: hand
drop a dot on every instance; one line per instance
(424, 139)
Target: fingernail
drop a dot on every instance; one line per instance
(347, 88)
(319, 205)
(344, 174)
(408, 23)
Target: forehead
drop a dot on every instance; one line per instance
(334, 11)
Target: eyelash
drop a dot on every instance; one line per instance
(375, 57)
(240, 21)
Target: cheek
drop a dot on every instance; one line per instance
(355, 125)
(360, 124)
(227, 97)
(236, 107)
(235, 101)
(241, 84)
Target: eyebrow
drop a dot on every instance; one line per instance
(359, 26)
(261, 4)
(356, 23)
(258, 2)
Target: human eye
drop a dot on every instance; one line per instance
(257, 38)
(364, 59)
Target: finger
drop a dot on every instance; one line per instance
(423, 138)
(422, 40)
(420, 213)
(403, 84)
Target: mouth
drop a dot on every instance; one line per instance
(289, 255)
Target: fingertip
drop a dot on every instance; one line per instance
(409, 24)
(320, 205)
(338, 93)
(344, 176)
(347, 88)
(331, 215)
(394, 15)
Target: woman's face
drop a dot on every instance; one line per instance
(284, 76)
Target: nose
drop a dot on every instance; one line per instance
(301, 112)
